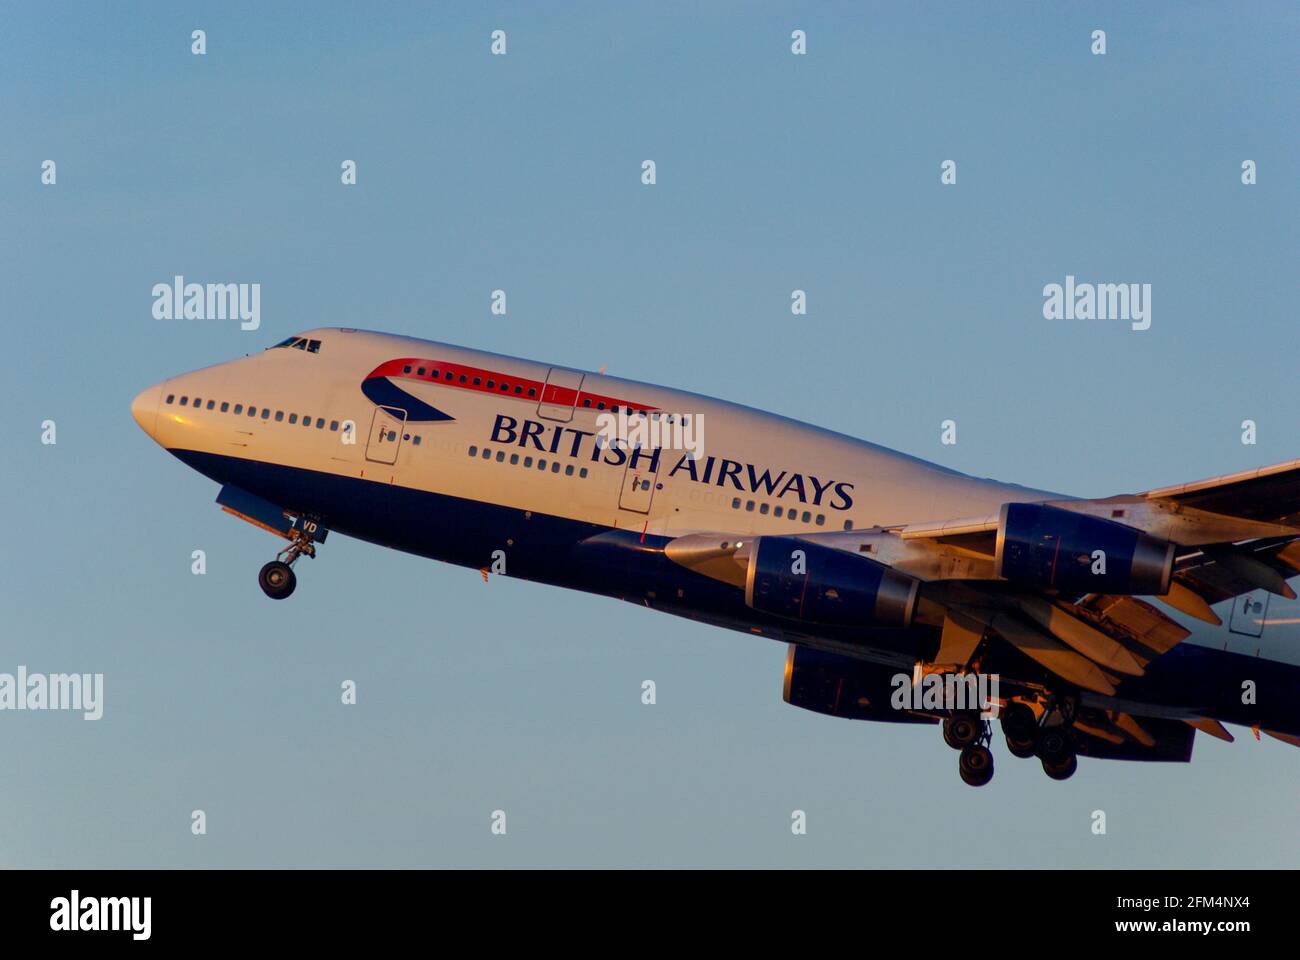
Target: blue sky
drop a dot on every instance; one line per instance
(475, 172)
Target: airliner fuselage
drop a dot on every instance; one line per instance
(507, 465)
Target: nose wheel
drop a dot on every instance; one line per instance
(277, 578)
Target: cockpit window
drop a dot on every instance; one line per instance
(298, 343)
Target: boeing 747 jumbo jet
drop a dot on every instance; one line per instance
(1113, 628)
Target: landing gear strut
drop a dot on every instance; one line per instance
(277, 579)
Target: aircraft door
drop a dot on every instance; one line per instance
(560, 394)
(640, 481)
(385, 434)
(1248, 612)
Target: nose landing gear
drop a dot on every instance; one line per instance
(277, 578)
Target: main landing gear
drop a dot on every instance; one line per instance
(1047, 735)
(967, 731)
(1050, 739)
(277, 579)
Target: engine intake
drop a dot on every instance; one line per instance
(1044, 546)
(802, 580)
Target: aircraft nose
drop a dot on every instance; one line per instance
(145, 407)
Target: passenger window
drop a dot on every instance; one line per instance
(211, 404)
(420, 372)
(198, 401)
(568, 471)
(492, 384)
(735, 503)
(848, 524)
(806, 516)
(171, 397)
(486, 453)
(185, 401)
(586, 401)
(477, 381)
(541, 464)
(501, 456)
(334, 428)
(763, 508)
(252, 411)
(225, 405)
(778, 512)
(416, 440)
(406, 369)
(448, 375)
(293, 418)
(555, 466)
(750, 506)
(518, 389)
(306, 421)
(528, 461)
(532, 391)
(320, 425)
(473, 451)
(582, 472)
(266, 413)
(821, 519)
(239, 408)
(463, 378)
(514, 459)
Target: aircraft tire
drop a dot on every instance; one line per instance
(1024, 749)
(1062, 770)
(961, 730)
(277, 580)
(976, 765)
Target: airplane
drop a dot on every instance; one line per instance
(1113, 628)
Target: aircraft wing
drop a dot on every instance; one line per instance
(1021, 575)
(1270, 494)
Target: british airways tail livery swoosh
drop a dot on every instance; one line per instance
(1113, 628)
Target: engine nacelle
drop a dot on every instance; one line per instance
(1044, 546)
(803, 580)
(843, 687)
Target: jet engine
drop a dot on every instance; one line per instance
(805, 581)
(843, 687)
(1047, 547)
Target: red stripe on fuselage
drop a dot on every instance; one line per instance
(435, 371)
